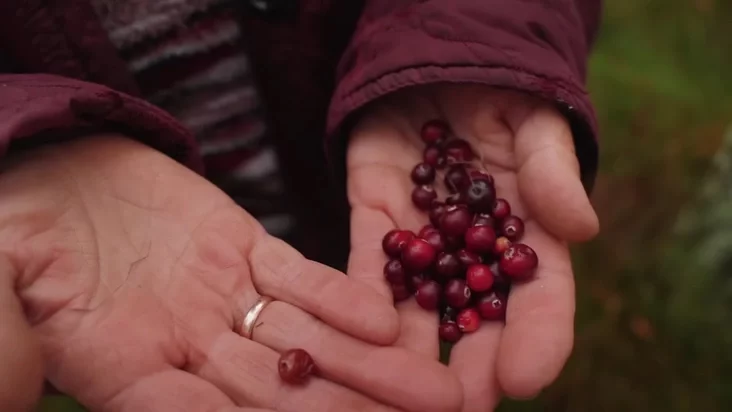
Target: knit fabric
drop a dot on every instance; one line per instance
(187, 58)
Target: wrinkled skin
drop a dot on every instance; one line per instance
(527, 146)
(131, 274)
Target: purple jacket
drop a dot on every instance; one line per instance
(316, 66)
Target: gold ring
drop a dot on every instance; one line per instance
(247, 325)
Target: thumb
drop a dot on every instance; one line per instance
(548, 178)
(21, 365)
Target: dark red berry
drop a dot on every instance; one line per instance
(479, 278)
(428, 295)
(394, 271)
(456, 199)
(457, 293)
(434, 157)
(450, 332)
(423, 174)
(501, 245)
(395, 240)
(468, 320)
(434, 131)
(492, 306)
(423, 196)
(455, 221)
(480, 196)
(518, 262)
(438, 209)
(400, 292)
(456, 178)
(468, 258)
(448, 265)
(484, 219)
(501, 209)
(458, 151)
(425, 230)
(512, 227)
(418, 255)
(435, 239)
(480, 239)
(295, 365)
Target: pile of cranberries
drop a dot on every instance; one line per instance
(463, 262)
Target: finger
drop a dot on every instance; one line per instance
(548, 177)
(473, 360)
(247, 372)
(393, 375)
(539, 331)
(171, 390)
(282, 273)
(21, 374)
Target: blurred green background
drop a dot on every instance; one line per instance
(655, 290)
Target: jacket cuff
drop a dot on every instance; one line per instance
(518, 45)
(36, 109)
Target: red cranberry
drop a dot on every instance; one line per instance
(456, 198)
(448, 265)
(455, 221)
(436, 240)
(394, 271)
(395, 240)
(468, 258)
(468, 320)
(457, 293)
(512, 227)
(433, 156)
(456, 179)
(418, 255)
(501, 245)
(295, 365)
(428, 295)
(423, 196)
(450, 332)
(479, 278)
(492, 306)
(483, 219)
(458, 151)
(423, 174)
(434, 131)
(480, 239)
(501, 209)
(436, 212)
(425, 230)
(518, 262)
(480, 196)
(400, 291)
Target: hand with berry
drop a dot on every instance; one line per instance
(465, 198)
(131, 283)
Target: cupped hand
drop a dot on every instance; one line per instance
(135, 273)
(527, 146)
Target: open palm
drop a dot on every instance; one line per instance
(527, 146)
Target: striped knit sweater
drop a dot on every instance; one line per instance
(187, 58)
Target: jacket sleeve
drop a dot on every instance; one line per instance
(39, 108)
(538, 47)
